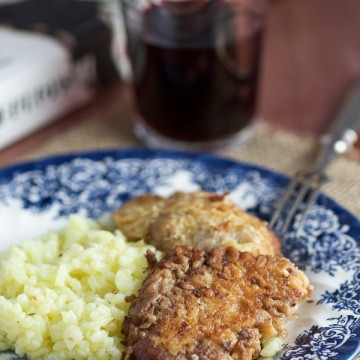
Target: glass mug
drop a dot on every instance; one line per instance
(195, 70)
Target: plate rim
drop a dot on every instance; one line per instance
(98, 154)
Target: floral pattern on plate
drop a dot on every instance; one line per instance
(94, 184)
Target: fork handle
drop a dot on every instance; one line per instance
(342, 135)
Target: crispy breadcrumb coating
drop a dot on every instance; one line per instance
(200, 219)
(221, 304)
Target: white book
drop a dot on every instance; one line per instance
(39, 82)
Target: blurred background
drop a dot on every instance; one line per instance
(311, 54)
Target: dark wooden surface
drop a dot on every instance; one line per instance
(312, 54)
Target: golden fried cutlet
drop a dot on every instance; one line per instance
(200, 219)
(137, 215)
(216, 305)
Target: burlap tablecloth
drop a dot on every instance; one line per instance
(110, 127)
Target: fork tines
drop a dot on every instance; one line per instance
(303, 189)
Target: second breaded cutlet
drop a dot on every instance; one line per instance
(216, 305)
(200, 219)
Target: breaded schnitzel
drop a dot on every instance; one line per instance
(216, 305)
(200, 219)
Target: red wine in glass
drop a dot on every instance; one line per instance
(195, 76)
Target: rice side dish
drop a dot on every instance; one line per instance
(62, 296)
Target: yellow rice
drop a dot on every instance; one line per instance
(63, 296)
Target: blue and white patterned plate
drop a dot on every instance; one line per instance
(38, 196)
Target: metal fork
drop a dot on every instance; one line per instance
(306, 185)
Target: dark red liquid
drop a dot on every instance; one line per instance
(191, 93)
